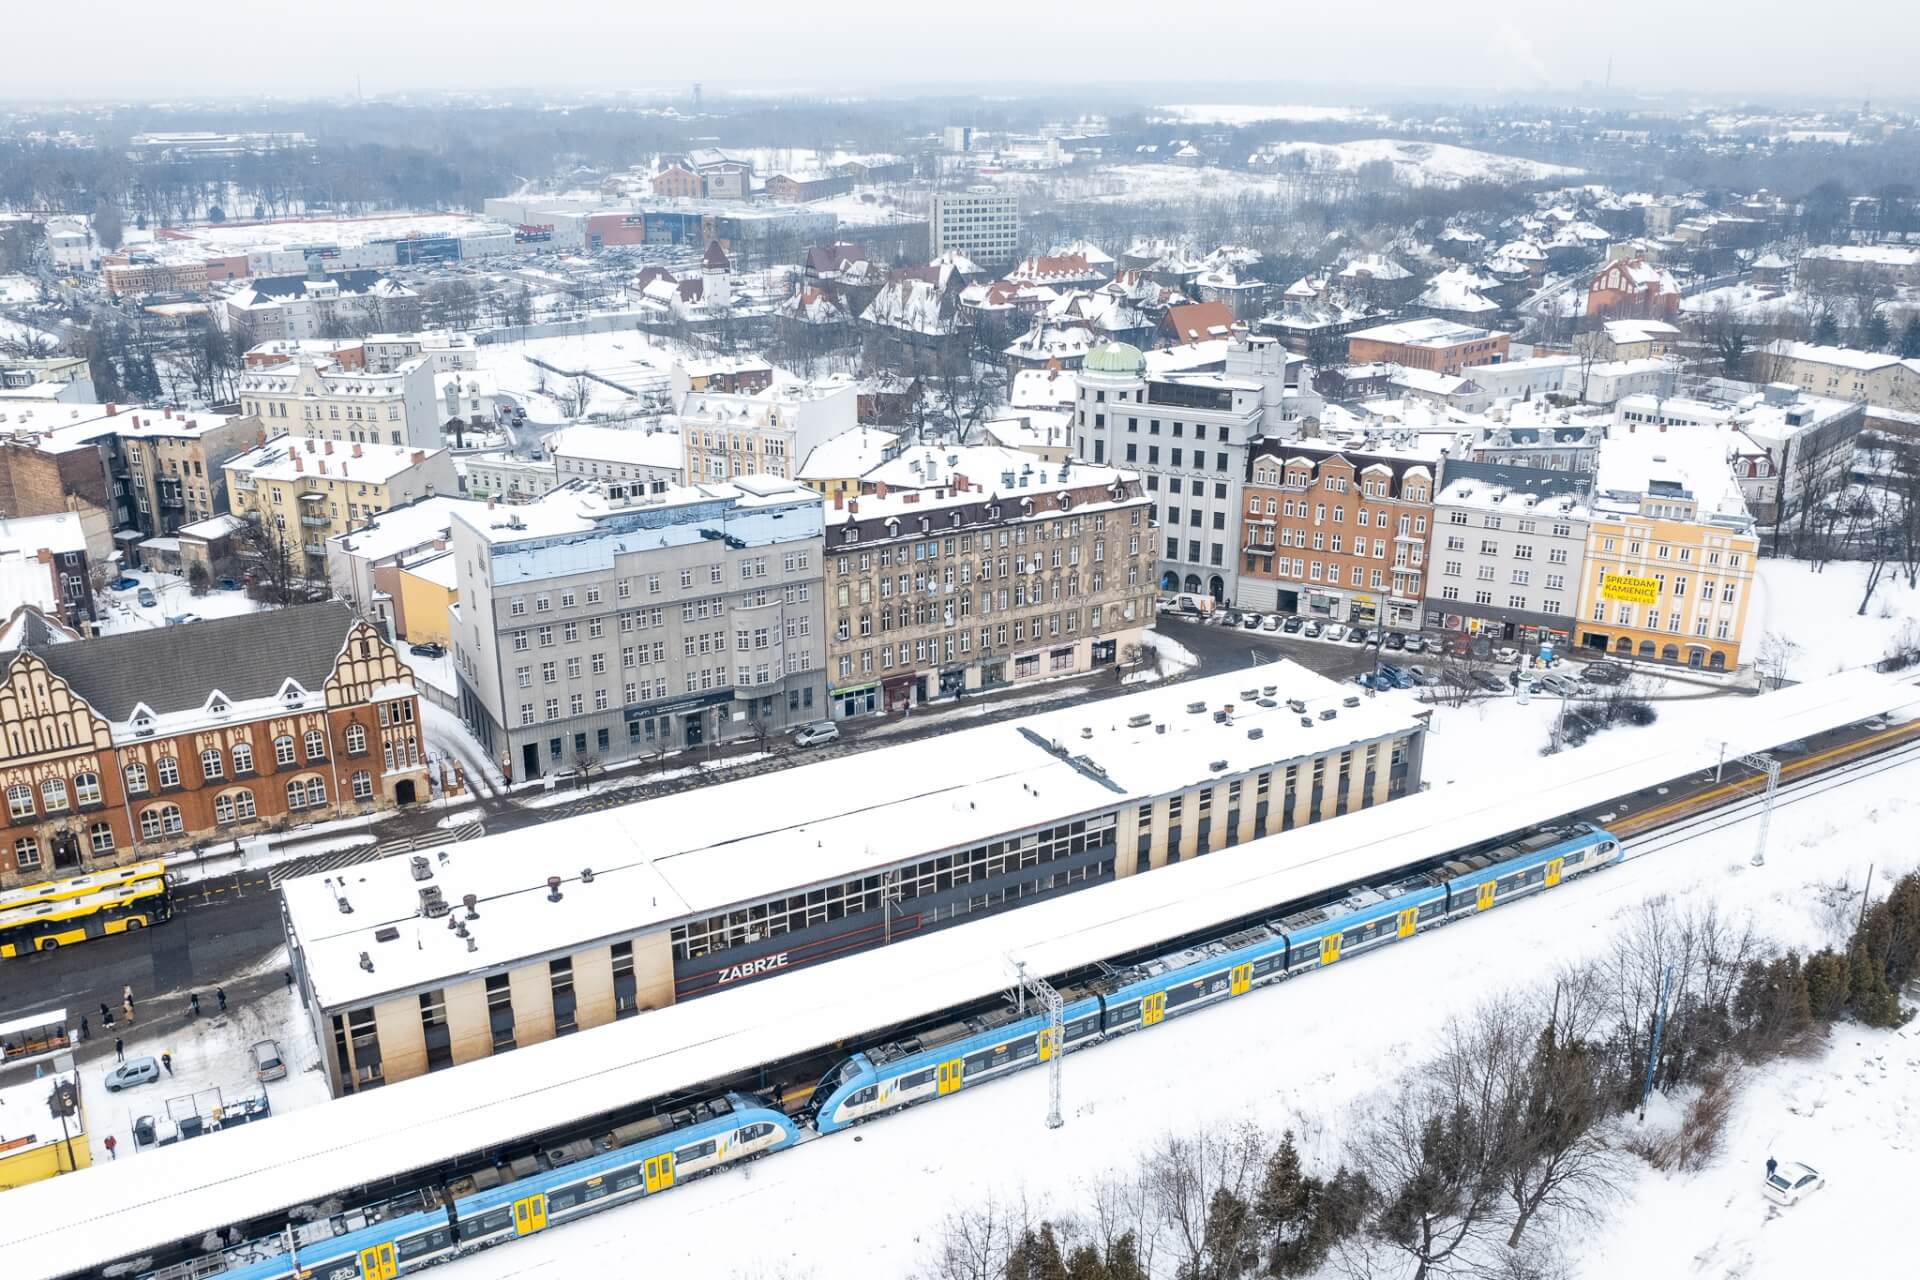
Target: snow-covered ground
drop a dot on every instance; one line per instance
(1820, 614)
(447, 736)
(122, 610)
(1302, 1055)
(1431, 164)
(18, 288)
(1252, 113)
(212, 1063)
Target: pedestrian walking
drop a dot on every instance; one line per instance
(119, 1049)
(39, 1070)
(106, 1019)
(289, 979)
(127, 1009)
(86, 1032)
(105, 1015)
(166, 1060)
(126, 993)
(110, 1144)
(1772, 1164)
(220, 993)
(193, 1003)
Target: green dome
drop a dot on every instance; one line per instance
(1116, 359)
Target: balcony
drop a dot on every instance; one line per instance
(317, 522)
(318, 550)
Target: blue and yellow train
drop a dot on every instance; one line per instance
(643, 1159)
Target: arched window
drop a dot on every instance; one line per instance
(316, 745)
(20, 801)
(169, 770)
(233, 806)
(211, 766)
(102, 837)
(86, 787)
(242, 757)
(283, 749)
(26, 853)
(136, 778)
(53, 795)
(356, 739)
(304, 793)
(316, 791)
(160, 820)
(363, 785)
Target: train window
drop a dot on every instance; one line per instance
(1437, 907)
(1265, 964)
(627, 1179)
(1121, 1014)
(1577, 857)
(564, 1198)
(917, 1079)
(858, 1098)
(1185, 993)
(698, 1151)
(593, 1190)
(498, 1220)
(1026, 1049)
(1081, 1029)
(418, 1246)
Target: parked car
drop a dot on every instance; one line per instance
(1489, 681)
(267, 1062)
(146, 598)
(1418, 644)
(1792, 1182)
(126, 584)
(229, 584)
(1357, 636)
(1394, 640)
(182, 619)
(1270, 623)
(1313, 630)
(1228, 618)
(1506, 657)
(815, 734)
(1422, 676)
(1336, 631)
(428, 650)
(1398, 676)
(1558, 686)
(1365, 680)
(1251, 622)
(136, 1071)
(1604, 672)
(1293, 624)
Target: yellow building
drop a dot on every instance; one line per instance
(1670, 553)
(424, 589)
(311, 489)
(835, 466)
(33, 1146)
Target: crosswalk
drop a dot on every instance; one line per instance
(335, 859)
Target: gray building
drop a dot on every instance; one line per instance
(981, 222)
(1509, 544)
(590, 631)
(1188, 436)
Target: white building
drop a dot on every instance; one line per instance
(619, 464)
(1188, 436)
(728, 434)
(331, 403)
(980, 222)
(1508, 547)
(1532, 378)
(508, 478)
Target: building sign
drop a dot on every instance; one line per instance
(754, 968)
(1629, 590)
(530, 233)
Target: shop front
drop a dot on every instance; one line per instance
(855, 700)
(898, 692)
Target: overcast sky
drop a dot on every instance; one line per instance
(1269, 51)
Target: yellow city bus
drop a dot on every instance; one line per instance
(58, 913)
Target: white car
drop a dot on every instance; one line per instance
(1336, 631)
(1270, 623)
(1792, 1182)
(815, 734)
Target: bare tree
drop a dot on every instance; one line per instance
(1436, 1160)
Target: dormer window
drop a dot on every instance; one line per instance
(142, 718)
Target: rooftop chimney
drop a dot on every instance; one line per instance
(329, 446)
(439, 544)
(356, 448)
(853, 506)
(298, 465)
(880, 490)
(419, 456)
(166, 413)
(840, 500)
(309, 444)
(112, 409)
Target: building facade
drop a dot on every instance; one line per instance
(984, 582)
(620, 464)
(1188, 436)
(307, 491)
(980, 223)
(1336, 535)
(133, 745)
(1842, 373)
(347, 406)
(1509, 548)
(1438, 346)
(591, 631)
(726, 435)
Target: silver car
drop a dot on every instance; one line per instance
(815, 734)
(136, 1072)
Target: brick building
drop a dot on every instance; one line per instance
(1433, 344)
(133, 745)
(1336, 535)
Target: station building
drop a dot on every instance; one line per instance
(407, 966)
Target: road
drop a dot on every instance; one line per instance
(226, 926)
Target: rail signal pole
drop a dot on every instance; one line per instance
(1771, 767)
(1056, 1035)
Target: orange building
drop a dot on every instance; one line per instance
(1440, 346)
(1633, 287)
(677, 183)
(1336, 535)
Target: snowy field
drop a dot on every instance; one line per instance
(18, 288)
(1820, 614)
(1430, 164)
(1250, 113)
(122, 611)
(1304, 1054)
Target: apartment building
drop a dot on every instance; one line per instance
(1670, 552)
(507, 477)
(309, 490)
(1509, 548)
(591, 631)
(326, 402)
(989, 569)
(619, 463)
(1433, 344)
(124, 278)
(317, 304)
(980, 223)
(771, 433)
(1842, 373)
(1336, 534)
(173, 464)
(151, 741)
(1188, 437)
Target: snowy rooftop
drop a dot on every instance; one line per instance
(287, 458)
(1041, 388)
(1514, 490)
(1846, 357)
(403, 528)
(65, 1224)
(640, 448)
(690, 854)
(1035, 429)
(1429, 332)
(849, 454)
(575, 510)
(28, 535)
(1695, 460)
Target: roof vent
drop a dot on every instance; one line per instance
(1256, 733)
(422, 869)
(366, 962)
(386, 933)
(1086, 731)
(433, 904)
(553, 888)
(1195, 708)
(1140, 721)
(1218, 766)
(472, 904)
(586, 875)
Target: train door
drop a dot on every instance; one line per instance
(377, 1263)
(1484, 898)
(1553, 871)
(1330, 948)
(659, 1173)
(1044, 1043)
(1240, 979)
(947, 1076)
(1153, 1008)
(1405, 922)
(530, 1214)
